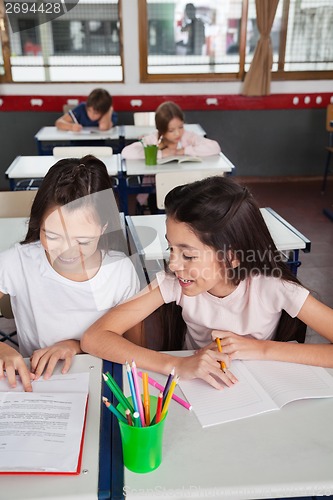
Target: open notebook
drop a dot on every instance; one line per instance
(42, 431)
(263, 386)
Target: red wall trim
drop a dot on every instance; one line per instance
(188, 102)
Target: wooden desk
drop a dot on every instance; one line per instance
(147, 235)
(95, 481)
(284, 453)
(30, 167)
(138, 168)
(48, 137)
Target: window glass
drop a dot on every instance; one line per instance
(309, 36)
(71, 41)
(198, 37)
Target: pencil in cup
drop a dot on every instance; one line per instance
(160, 387)
(116, 391)
(219, 348)
(114, 410)
(142, 446)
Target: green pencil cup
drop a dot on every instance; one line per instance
(150, 155)
(142, 446)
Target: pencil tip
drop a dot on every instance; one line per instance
(104, 399)
(104, 376)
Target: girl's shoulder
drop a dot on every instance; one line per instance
(22, 250)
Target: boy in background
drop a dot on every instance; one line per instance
(96, 112)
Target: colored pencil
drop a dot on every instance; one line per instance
(114, 410)
(160, 387)
(157, 417)
(123, 400)
(146, 399)
(129, 417)
(136, 419)
(169, 396)
(131, 385)
(138, 393)
(167, 385)
(219, 348)
(115, 389)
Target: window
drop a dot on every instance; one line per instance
(64, 41)
(214, 40)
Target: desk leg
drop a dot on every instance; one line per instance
(122, 190)
(293, 261)
(328, 213)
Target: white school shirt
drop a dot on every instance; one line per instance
(253, 308)
(49, 308)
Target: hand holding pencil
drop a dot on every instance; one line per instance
(219, 348)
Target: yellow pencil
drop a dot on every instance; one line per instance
(169, 396)
(219, 347)
(146, 398)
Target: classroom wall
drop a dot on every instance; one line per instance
(259, 143)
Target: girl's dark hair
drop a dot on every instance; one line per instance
(164, 114)
(73, 182)
(224, 216)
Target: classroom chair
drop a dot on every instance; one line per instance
(101, 152)
(329, 148)
(7, 313)
(144, 118)
(165, 181)
(13, 204)
(16, 203)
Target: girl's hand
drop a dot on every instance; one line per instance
(76, 127)
(47, 358)
(11, 361)
(205, 364)
(240, 346)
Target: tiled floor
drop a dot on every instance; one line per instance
(301, 204)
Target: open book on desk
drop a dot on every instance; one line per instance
(179, 159)
(263, 386)
(42, 431)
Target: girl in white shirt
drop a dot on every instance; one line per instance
(65, 274)
(230, 282)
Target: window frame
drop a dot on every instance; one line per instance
(6, 50)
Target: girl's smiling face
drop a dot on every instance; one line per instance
(195, 264)
(175, 131)
(70, 239)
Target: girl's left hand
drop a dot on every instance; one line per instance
(240, 346)
(47, 358)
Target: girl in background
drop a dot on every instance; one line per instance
(172, 140)
(230, 282)
(66, 273)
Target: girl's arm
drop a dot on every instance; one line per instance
(133, 151)
(105, 340)
(196, 145)
(313, 313)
